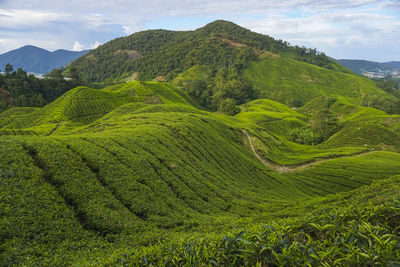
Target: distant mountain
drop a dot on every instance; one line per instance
(372, 69)
(38, 60)
(394, 64)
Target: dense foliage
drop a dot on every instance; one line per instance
(228, 106)
(18, 89)
(340, 236)
(166, 53)
(295, 83)
(222, 60)
(211, 88)
(389, 85)
(305, 135)
(135, 174)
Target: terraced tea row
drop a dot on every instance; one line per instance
(150, 170)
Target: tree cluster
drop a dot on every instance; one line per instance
(223, 84)
(389, 85)
(18, 89)
(167, 53)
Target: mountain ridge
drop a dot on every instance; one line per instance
(220, 58)
(372, 69)
(38, 60)
(193, 162)
(185, 49)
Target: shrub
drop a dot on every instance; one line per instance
(228, 106)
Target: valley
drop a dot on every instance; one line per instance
(239, 157)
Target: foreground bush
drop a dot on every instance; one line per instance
(346, 236)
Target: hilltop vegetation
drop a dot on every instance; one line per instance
(134, 173)
(18, 89)
(223, 61)
(295, 83)
(392, 86)
(166, 53)
(299, 165)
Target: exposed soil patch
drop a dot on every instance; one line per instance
(132, 54)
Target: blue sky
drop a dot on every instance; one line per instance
(361, 29)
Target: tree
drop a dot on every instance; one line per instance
(21, 75)
(55, 74)
(325, 124)
(297, 103)
(9, 68)
(228, 106)
(19, 89)
(305, 135)
(75, 76)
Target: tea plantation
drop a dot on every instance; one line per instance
(136, 174)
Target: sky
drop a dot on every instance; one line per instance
(353, 29)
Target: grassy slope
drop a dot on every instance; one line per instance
(285, 80)
(353, 228)
(155, 167)
(162, 53)
(360, 129)
(358, 126)
(83, 105)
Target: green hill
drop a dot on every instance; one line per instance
(166, 53)
(134, 173)
(225, 61)
(305, 171)
(295, 83)
(83, 105)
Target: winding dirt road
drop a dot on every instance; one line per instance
(280, 168)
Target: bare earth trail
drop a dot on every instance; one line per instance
(55, 129)
(280, 168)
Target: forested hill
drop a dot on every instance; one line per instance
(38, 60)
(137, 174)
(225, 62)
(164, 54)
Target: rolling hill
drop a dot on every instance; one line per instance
(38, 60)
(294, 83)
(135, 174)
(151, 171)
(155, 53)
(223, 60)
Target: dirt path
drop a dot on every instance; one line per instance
(55, 129)
(303, 166)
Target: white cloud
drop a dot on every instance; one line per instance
(336, 32)
(327, 24)
(21, 18)
(7, 44)
(95, 45)
(78, 46)
(128, 29)
(185, 7)
(390, 5)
